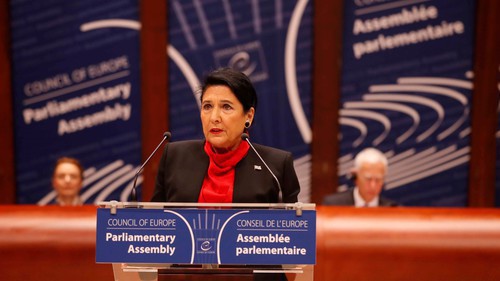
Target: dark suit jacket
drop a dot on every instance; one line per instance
(346, 198)
(184, 164)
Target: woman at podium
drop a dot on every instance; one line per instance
(226, 167)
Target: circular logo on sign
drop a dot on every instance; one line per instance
(205, 246)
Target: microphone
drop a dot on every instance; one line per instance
(246, 138)
(133, 193)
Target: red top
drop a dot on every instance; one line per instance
(218, 184)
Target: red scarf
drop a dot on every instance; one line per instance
(218, 184)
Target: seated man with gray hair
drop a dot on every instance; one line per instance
(370, 168)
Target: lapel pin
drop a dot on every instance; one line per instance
(257, 167)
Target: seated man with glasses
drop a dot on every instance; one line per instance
(370, 168)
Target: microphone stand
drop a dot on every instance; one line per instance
(133, 193)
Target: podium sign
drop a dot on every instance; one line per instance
(206, 236)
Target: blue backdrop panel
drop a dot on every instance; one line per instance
(76, 93)
(497, 183)
(271, 42)
(406, 89)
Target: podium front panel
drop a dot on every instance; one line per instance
(206, 236)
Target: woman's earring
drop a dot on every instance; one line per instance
(247, 124)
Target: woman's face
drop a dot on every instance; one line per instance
(223, 118)
(67, 180)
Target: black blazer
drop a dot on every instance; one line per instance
(346, 198)
(184, 164)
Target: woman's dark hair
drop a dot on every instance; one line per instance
(237, 81)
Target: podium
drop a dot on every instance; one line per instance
(205, 241)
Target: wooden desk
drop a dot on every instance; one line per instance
(49, 243)
(407, 244)
(58, 243)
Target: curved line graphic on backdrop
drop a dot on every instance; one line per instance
(89, 172)
(47, 198)
(257, 21)
(418, 164)
(345, 164)
(413, 99)
(119, 23)
(431, 172)
(203, 22)
(436, 81)
(292, 88)
(394, 107)
(371, 115)
(465, 132)
(105, 182)
(186, 70)
(179, 60)
(105, 170)
(347, 157)
(441, 161)
(461, 98)
(411, 166)
(433, 90)
(402, 156)
(358, 125)
(455, 126)
(184, 25)
(113, 186)
(400, 165)
(229, 19)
